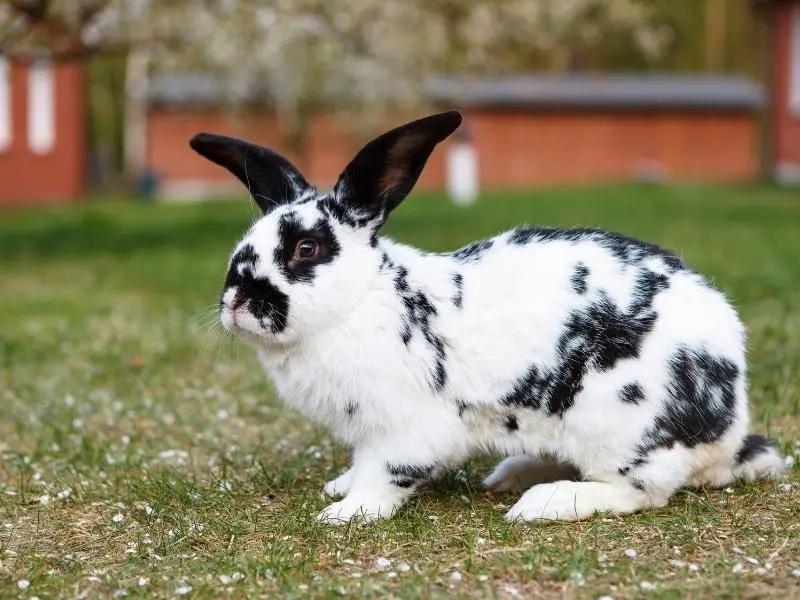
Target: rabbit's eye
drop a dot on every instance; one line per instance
(306, 249)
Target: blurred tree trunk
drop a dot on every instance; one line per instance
(135, 126)
(716, 22)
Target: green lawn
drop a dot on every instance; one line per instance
(144, 454)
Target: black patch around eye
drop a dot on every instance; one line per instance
(578, 280)
(290, 232)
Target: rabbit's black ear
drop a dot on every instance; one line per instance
(271, 179)
(385, 170)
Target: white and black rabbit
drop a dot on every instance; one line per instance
(605, 370)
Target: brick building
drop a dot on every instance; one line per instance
(529, 130)
(782, 137)
(42, 133)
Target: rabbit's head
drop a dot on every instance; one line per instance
(312, 256)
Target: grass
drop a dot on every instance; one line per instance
(145, 455)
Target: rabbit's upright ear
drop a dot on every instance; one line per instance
(271, 179)
(387, 168)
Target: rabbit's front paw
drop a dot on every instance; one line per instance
(363, 510)
(341, 485)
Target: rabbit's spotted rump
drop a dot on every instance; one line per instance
(607, 372)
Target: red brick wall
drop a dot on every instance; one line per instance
(58, 175)
(520, 148)
(786, 124)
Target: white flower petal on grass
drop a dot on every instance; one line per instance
(694, 567)
(738, 550)
(789, 461)
(795, 573)
(403, 567)
(237, 576)
(737, 568)
(23, 584)
(483, 578)
(761, 571)
(383, 562)
(455, 577)
(751, 560)
(65, 493)
(605, 598)
(630, 553)
(118, 518)
(184, 590)
(647, 586)
(143, 581)
(44, 499)
(677, 563)
(225, 579)
(391, 574)
(785, 487)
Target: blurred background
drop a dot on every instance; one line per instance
(104, 95)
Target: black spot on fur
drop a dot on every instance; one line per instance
(343, 213)
(462, 407)
(511, 423)
(594, 338)
(458, 296)
(637, 484)
(405, 476)
(265, 301)
(623, 470)
(631, 393)
(700, 404)
(626, 249)
(290, 232)
(419, 311)
(579, 276)
(472, 252)
(351, 408)
(752, 446)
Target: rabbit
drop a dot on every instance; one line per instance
(606, 372)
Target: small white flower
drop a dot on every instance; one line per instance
(577, 577)
(222, 414)
(455, 577)
(349, 561)
(383, 562)
(677, 563)
(120, 594)
(148, 509)
(630, 553)
(728, 490)
(143, 581)
(93, 578)
(118, 518)
(225, 486)
(796, 573)
(237, 576)
(23, 584)
(605, 598)
(184, 590)
(225, 579)
(302, 587)
(391, 574)
(646, 585)
(125, 440)
(77, 423)
(737, 568)
(69, 400)
(483, 578)
(789, 461)
(693, 567)
(481, 541)
(65, 493)
(44, 499)
(786, 487)
(602, 557)
(403, 567)
(761, 571)
(751, 560)
(356, 575)
(738, 550)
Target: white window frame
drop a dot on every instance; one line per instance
(6, 117)
(794, 61)
(41, 108)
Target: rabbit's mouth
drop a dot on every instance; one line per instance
(256, 315)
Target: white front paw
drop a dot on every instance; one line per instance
(511, 474)
(365, 511)
(549, 502)
(341, 485)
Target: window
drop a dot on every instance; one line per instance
(794, 62)
(6, 123)
(41, 108)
